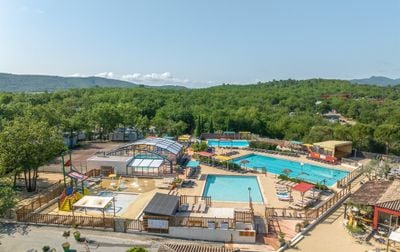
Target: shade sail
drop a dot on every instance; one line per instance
(93, 202)
(77, 175)
(303, 187)
(205, 154)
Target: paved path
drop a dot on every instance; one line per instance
(331, 236)
(31, 238)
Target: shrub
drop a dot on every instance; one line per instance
(46, 248)
(262, 145)
(136, 249)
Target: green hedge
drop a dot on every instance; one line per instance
(262, 145)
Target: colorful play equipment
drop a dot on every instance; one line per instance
(72, 192)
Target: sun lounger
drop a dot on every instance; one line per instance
(196, 208)
(184, 208)
(202, 208)
(296, 207)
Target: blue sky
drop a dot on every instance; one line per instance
(201, 43)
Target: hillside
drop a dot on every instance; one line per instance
(41, 83)
(377, 80)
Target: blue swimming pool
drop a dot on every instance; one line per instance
(232, 188)
(227, 143)
(307, 172)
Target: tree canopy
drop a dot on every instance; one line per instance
(287, 109)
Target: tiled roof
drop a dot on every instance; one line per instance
(181, 247)
(391, 205)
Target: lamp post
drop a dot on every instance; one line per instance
(250, 205)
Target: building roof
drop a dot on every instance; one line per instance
(163, 143)
(108, 158)
(185, 247)
(162, 204)
(205, 154)
(332, 144)
(302, 187)
(370, 193)
(147, 163)
(392, 205)
(392, 193)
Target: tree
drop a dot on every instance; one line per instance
(25, 145)
(388, 134)
(211, 126)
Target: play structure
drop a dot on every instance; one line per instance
(72, 192)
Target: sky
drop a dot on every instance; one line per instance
(201, 43)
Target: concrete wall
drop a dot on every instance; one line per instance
(119, 166)
(208, 234)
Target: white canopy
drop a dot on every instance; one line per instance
(395, 235)
(93, 202)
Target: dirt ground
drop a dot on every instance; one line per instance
(80, 155)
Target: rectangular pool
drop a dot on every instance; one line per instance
(227, 143)
(229, 188)
(311, 173)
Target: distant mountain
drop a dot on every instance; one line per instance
(41, 83)
(377, 80)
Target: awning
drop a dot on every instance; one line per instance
(193, 164)
(303, 187)
(395, 235)
(205, 154)
(77, 175)
(93, 202)
(222, 158)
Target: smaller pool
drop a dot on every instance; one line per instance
(228, 143)
(231, 188)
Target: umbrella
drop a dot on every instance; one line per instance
(244, 162)
(286, 171)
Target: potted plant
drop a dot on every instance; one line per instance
(66, 246)
(46, 248)
(298, 227)
(66, 234)
(77, 235)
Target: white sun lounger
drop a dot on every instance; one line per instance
(202, 208)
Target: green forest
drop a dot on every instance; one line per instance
(284, 109)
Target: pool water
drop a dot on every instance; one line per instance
(227, 143)
(311, 173)
(232, 188)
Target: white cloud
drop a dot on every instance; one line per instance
(76, 75)
(154, 78)
(108, 75)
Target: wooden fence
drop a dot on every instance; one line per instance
(203, 222)
(185, 199)
(315, 213)
(42, 200)
(285, 213)
(309, 214)
(350, 177)
(68, 220)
